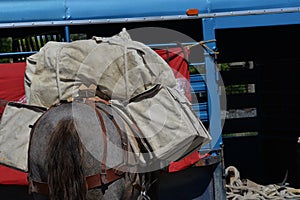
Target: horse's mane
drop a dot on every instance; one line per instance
(66, 177)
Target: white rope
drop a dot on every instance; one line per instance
(236, 189)
(126, 72)
(57, 74)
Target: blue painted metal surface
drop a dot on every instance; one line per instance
(212, 6)
(201, 111)
(256, 20)
(31, 10)
(212, 78)
(67, 34)
(198, 83)
(13, 11)
(57, 10)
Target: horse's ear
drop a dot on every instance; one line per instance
(83, 87)
(93, 87)
(87, 92)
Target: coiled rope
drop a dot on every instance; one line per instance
(237, 189)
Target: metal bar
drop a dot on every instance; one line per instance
(203, 115)
(214, 103)
(200, 106)
(95, 21)
(36, 42)
(149, 19)
(171, 44)
(15, 45)
(52, 37)
(23, 44)
(196, 88)
(30, 39)
(46, 38)
(58, 38)
(67, 34)
(19, 45)
(14, 54)
(197, 64)
(41, 37)
(197, 78)
(28, 47)
(250, 12)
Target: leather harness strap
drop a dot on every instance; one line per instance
(92, 181)
(103, 163)
(121, 133)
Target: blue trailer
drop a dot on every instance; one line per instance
(245, 43)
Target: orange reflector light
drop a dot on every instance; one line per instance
(192, 12)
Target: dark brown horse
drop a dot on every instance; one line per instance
(78, 151)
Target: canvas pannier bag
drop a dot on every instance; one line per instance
(139, 83)
(15, 134)
(120, 68)
(168, 127)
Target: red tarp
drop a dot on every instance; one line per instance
(177, 58)
(12, 89)
(12, 83)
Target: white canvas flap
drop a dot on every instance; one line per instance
(15, 135)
